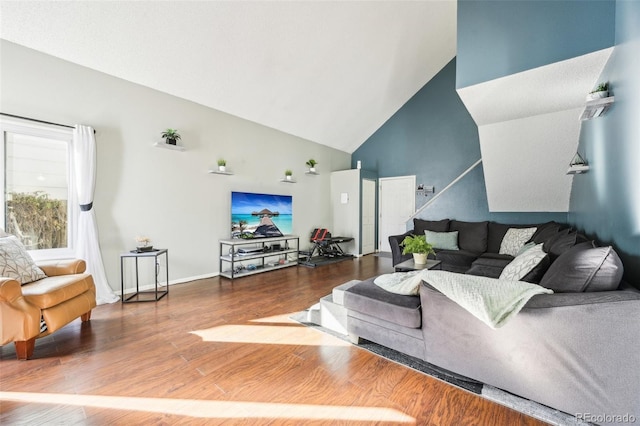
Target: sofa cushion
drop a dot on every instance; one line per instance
(421, 225)
(584, 267)
(545, 231)
(16, 263)
(519, 267)
(368, 298)
(514, 239)
(51, 291)
(472, 235)
(456, 260)
(489, 266)
(442, 240)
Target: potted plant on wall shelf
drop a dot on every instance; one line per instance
(312, 165)
(287, 174)
(171, 136)
(419, 246)
(601, 91)
(222, 165)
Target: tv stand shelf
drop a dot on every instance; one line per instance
(261, 256)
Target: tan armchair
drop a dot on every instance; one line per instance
(64, 295)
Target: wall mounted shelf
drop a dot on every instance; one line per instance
(218, 172)
(287, 180)
(595, 108)
(577, 169)
(311, 173)
(171, 147)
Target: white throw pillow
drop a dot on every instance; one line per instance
(16, 263)
(523, 264)
(514, 239)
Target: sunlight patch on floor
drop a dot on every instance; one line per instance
(215, 409)
(269, 335)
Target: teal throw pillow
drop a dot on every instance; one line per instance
(442, 240)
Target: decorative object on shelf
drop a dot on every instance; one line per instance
(171, 136)
(596, 107)
(288, 174)
(359, 165)
(577, 165)
(143, 244)
(222, 165)
(419, 246)
(312, 165)
(601, 91)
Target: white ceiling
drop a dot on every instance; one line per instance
(328, 71)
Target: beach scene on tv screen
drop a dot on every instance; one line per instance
(260, 215)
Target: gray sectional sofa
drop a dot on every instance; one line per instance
(576, 350)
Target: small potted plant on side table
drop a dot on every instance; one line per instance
(171, 136)
(143, 244)
(418, 245)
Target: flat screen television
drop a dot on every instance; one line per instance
(260, 215)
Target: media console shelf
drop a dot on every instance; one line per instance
(240, 257)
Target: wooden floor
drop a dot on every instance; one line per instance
(220, 352)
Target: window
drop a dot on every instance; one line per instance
(38, 195)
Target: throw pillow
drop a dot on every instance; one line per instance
(523, 264)
(421, 225)
(584, 267)
(442, 240)
(16, 263)
(473, 235)
(525, 247)
(514, 239)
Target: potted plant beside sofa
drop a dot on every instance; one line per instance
(418, 245)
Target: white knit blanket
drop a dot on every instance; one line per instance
(491, 300)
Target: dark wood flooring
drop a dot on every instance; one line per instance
(220, 352)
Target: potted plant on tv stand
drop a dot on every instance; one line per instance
(171, 136)
(419, 246)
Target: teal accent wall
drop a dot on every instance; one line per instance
(605, 202)
(433, 137)
(497, 38)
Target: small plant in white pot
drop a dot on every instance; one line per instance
(222, 165)
(418, 245)
(287, 174)
(312, 165)
(601, 91)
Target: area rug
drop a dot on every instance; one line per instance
(525, 406)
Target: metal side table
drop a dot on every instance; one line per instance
(159, 291)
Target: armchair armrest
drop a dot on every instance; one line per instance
(19, 319)
(396, 250)
(63, 267)
(10, 289)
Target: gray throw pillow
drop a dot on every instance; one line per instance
(584, 267)
(473, 235)
(442, 240)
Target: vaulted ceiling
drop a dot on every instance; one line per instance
(328, 71)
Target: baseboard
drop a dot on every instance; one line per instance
(172, 282)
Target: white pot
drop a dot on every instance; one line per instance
(420, 258)
(597, 95)
(288, 177)
(312, 169)
(222, 168)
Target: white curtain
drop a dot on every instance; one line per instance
(87, 247)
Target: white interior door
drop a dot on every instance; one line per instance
(397, 202)
(368, 216)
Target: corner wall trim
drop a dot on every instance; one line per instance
(435, 197)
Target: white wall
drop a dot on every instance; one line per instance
(166, 195)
